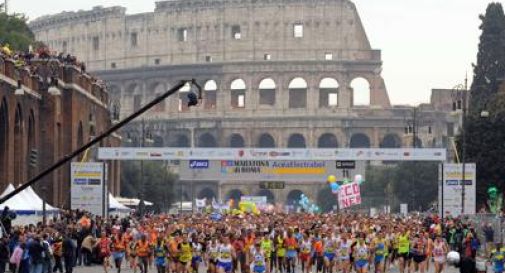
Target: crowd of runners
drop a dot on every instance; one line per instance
(265, 243)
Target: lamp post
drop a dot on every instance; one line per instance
(413, 126)
(146, 137)
(459, 102)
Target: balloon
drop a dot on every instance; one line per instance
(331, 179)
(336, 188)
(358, 178)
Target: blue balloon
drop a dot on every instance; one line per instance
(334, 187)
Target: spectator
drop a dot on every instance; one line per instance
(4, 253)
(36, 253)
(68, 253)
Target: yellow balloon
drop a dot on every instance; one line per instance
(332, 179)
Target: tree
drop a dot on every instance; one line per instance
(490, 67)
(158, 183)
(484, 136)
(15, 32)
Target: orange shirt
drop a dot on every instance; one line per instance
(318, 247)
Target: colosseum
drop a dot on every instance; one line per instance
(275, 73)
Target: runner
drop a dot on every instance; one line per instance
(440, 250)
(361, 254)
(344, 254)
(257, 258)
(119, 250)
(305, 253)
(104, 245)
(185, 255)
(380, 249)
(330, 246)
(160, 255)
(291, 245)
(226, 256)
(142, 249)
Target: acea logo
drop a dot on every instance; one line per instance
(198, 164)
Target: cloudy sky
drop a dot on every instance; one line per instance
(425, 44)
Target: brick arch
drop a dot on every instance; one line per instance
(19, 132)
(4, 140)
(208, 193)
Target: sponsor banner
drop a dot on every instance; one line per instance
(259, 201)
(450, 189)
(264, 170)
(349, 195)
(401, 154)
(87, 182)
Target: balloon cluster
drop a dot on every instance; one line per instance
(335, 187)
(308, 205)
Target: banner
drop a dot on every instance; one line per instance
(400, 154)
(263, 170)
(349, 195)
(450, 190)
(87, 187)
(200, 203)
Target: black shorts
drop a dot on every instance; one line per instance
(406, 256)
(419, 258)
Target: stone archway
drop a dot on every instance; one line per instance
(236, 141)
(391, 141)
(269, 194)
(207, 140)
(327, 141)
(360, 141)
(182, 141)
(296, 141)
(293, 198)
(207, 193)
(234, 194)
(266, 141)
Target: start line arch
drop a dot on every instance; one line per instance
(354, 154)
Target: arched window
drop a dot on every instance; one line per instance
(237, 141)
(267, 92)
(207, 140)
(327, 141)
(238, 96)
(183, 98)
(297, 93)
(360, 141)
(268, 194)
(391, 141)
(182, 141)
(210, 96)
(134, 91)
(158, 89)
(296, 141)
(360, 92)
(266, 141)
(328, 93)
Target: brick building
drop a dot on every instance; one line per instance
(37, 128)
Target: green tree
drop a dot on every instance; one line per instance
(484, 136)
(15, 31)
(490, 67)
(416, 183)
(158, 182)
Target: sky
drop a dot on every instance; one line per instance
(425, 43)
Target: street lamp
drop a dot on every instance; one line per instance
(459, 96)
(145, 138)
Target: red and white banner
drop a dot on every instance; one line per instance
(349, 195)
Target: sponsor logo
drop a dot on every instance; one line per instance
(155, 155)
(275, 154)
(258, 154)
(198, 164)
(241, 153)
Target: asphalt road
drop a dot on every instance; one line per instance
(125, 269)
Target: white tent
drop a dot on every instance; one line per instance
(131, 202)
(114, 205)
(36, 200)
(26, 202)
